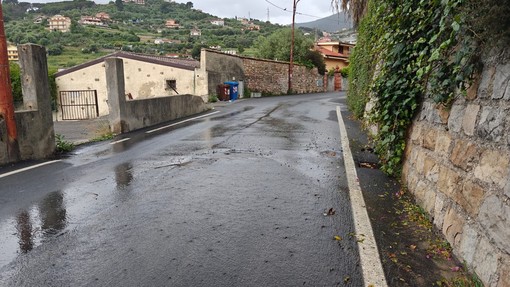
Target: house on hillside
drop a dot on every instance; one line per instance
(218, 22)
(39, 19)
(59, 23)
(12, 52)
(139, 2)
(171, 23)
(336, 54)
(195, 32)
(243, 21)
(146, 76)
(92, 21)
(105, 17)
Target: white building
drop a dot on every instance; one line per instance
(146, 76)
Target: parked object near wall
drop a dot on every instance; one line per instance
(223, 92)
(258, 75)
(457, 165)
(34, 124)
(233, 88)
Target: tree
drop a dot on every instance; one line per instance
(355, 8)
(189, 5)
(277, 46)
(119, 5)
(316, 59)
(166, 7)
(195, 52)
(15, 75)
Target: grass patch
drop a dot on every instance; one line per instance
(72, 56)
(213, 99)
(104, 137)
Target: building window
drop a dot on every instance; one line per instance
(171, 85)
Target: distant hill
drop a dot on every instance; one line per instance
(333, 23)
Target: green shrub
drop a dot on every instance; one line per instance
(63, 146)
(213, 98)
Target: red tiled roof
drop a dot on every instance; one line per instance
(327, 53)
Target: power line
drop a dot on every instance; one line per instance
(298, 13)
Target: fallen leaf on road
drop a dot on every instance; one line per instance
(330, 211)
(337, 238)
(456, 269)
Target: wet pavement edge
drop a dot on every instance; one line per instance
(373, 273)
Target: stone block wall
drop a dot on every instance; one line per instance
(458, 167)
(272, 77)
(259, 75)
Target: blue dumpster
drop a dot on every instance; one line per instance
(234, 90)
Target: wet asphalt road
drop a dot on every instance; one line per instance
(234, 199)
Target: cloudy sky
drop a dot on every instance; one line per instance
(280, 11)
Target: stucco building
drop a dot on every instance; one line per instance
(60, 23)
(12, 52)
(336, 54)
(172, 24)
(145, 77)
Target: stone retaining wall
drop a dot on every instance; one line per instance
(458, 167)
(259, 75)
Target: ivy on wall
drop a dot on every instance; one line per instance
(408, 50)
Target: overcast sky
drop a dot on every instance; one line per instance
(280, 11)
(307, 10)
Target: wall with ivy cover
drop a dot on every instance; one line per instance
(436, 77)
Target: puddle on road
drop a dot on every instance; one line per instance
(30, 227)
(123, 175)
(57, 212)
(229, 115)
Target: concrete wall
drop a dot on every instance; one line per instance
(127, 115)
(265, 76)
(143, 80)
(34, 124)
(458, 167)
(221, 68)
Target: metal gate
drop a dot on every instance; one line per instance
(79, 105)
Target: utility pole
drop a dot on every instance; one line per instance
(6, 99)
(291, 65)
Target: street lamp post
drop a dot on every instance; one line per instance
(291, 65)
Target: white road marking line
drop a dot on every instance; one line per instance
(28, 168)
(373, 273)
(174, 124)
(119, 141)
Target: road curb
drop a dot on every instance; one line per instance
(373, 273)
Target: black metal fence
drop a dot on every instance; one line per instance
(79, 105)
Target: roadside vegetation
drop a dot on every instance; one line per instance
(62, 145)
(132, 28)
(409, 50)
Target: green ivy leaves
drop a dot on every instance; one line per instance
(424, 50)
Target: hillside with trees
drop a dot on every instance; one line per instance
(131, 27)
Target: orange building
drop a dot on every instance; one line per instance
(336, 54)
